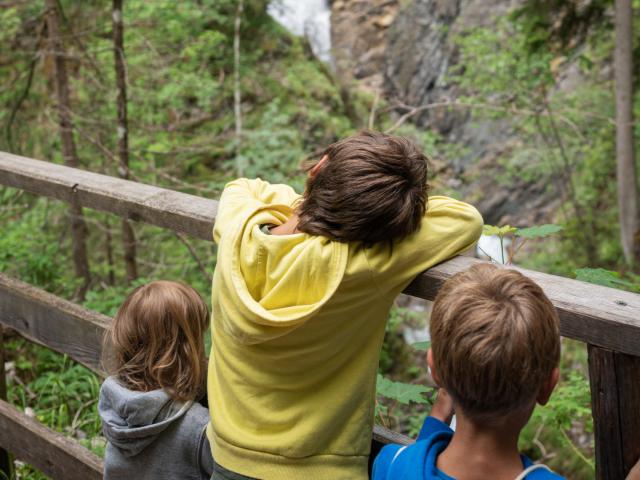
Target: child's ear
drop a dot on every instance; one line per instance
(547, 387)
(316, 168)
(432, 370)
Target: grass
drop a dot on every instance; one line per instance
(60, 393)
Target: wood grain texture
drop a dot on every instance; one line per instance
(158, 206)
(49, 451)
(594, 314)
(615, 399)
(6, 463)
(385, 436)
(74, 330)
(52, 321)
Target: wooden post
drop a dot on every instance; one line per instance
(615, 400)
(5, 458)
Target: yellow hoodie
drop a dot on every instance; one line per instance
(297, 326)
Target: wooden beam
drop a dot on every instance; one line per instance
(158, 206)
(384, 436)
(50, 452)
(593, 314)
(597, 315)
(74, 330)
(52, 321)
(6, 462)
(615, 396)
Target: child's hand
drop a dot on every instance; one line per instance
(443, 407)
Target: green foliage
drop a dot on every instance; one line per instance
(179, 59)
(499, 231)
(562, 136)
(565, 417)
(401, 392)
(570, 403)
(607, 278)
(538, 231)
(62, 395)
(562, 24)
(422, 346)
(525, 234)
(29, 247)
(108, 300)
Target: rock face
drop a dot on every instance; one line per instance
(420, 53)
(359, 31)
(405, 50)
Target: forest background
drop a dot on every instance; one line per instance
(199, 92)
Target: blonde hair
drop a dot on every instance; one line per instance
(156, 340)
(495, 340)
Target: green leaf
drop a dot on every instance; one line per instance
(402, 392)
(500, 231)
(603, 277)
(538, 231)
(421, 346)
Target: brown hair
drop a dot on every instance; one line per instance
(157, 340)
(495, 340)
(372, 188)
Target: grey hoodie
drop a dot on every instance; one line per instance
(151, 436)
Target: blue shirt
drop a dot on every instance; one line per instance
(418, 461)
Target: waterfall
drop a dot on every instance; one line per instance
(308, 18)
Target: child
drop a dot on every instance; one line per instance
(301, 294)
(495, 352)
(153, 424)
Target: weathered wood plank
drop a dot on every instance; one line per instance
(385, 436)
(615, 397)
(6, 463)
(158, 206)
(49, 451)
(52, 321)
(74, 330)
(593, 314)
(597, 315)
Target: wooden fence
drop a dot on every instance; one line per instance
(607, 320)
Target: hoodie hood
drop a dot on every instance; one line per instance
(132, 420)
(270, 284)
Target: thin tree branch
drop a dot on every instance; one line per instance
(195, 256)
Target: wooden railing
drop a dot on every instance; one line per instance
(607, 320)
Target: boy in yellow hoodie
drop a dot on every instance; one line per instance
(301, 294)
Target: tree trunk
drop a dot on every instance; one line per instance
(626, 170)
(128, 236)
(108, 250)
(78, 225)
(237, 99)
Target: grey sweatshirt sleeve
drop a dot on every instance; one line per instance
(204, 458)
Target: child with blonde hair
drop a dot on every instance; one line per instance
(495, 353)
(149, 407)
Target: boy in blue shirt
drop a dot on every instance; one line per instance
(495, 353)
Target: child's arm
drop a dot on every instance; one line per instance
(448, 228)
(242, 195)
(440, 416)
(205, 459)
